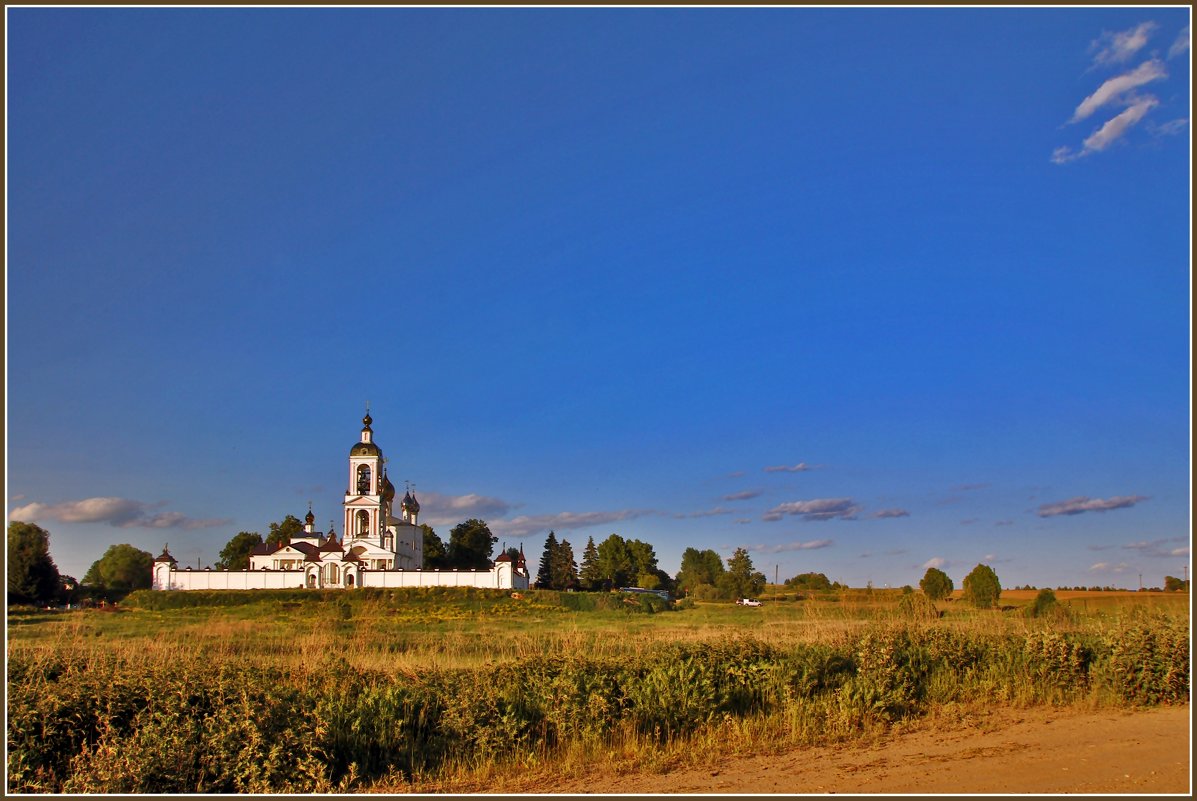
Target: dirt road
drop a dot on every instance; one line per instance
(1004, 751)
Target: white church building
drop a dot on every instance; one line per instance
(377, 549)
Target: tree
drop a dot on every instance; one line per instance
(235, 555)
(32, 574)
(122, 568)
(644, 558)
(544, 577)
(741, 580)
(563, 568)
(809, 581)
(589, 575)
(615, 563)
(1173, 584)
(981, 587)
(936, 584)
(281, 533)
(699, 568)
(435, 554)
(471, 544)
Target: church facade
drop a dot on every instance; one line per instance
(377, 548)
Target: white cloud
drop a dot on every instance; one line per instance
(526, 525)
(117, 512)
(1106, 567)
(718, 510)
(882, 514)
(1116, 128)
(1169, 128)
(742, 496)
(1181, 44)
(817, 509)
(937, 562)
(1179, 552)
(1116, 88)
(1116, 48)
(439, 509)
(801, 467)
(1076, 506)
(809, 545)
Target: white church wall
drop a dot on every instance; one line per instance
(499, 578)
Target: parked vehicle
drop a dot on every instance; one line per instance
(748, 602)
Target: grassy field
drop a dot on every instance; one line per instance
(444, 689)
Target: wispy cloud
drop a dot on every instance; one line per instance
(1004, 523)
(801, 467)
(718, 510)
(809, 545)
(1117, 88)
(742, 496)
(118, 512)
(1107, 567)
(885, 513)
(969, 487)
(744, 520)
(1118, 48)
(969, 521)
(1076, 506)
(817, 509)
(1169, 128)
(1156, 548)
(439, 509)
(938, 562)
(1181, 45)
(1101, 547)
(525, 525)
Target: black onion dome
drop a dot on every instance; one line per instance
(367, 420)
(365, 449)
(388, 489)
(415, 505)
(309, 517)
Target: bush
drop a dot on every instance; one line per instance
(936, 584)
(981, 587)
(917, 607)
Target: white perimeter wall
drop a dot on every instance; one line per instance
(502, 578)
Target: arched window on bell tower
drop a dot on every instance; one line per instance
(363, 479)
(363, 523)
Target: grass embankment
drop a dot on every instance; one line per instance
(434, 689)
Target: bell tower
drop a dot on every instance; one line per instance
(365, 517)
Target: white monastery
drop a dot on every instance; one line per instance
(377, 549)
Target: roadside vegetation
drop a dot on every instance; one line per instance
(443, 689)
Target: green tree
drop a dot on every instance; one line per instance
(32, 574)
(470, 545)
(644, 558)
(281, 533)
(589, 575)
(435, 554)
(615, 563)
(564, 568)
(936, 584)
(121, 569)
(981, 587)
(235, 554)
(699, 568)
(544, 577)
(1173, 584)
(741, 580)
(809, 581)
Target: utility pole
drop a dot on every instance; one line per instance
(775, 575)
(1140, 582)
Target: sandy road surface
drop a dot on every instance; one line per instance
(1010, 751)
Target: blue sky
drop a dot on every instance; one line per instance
(862, 290)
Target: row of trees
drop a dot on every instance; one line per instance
(33, 578)
(703, 575)
(614, 562)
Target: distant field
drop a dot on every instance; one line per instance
(426, 689)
